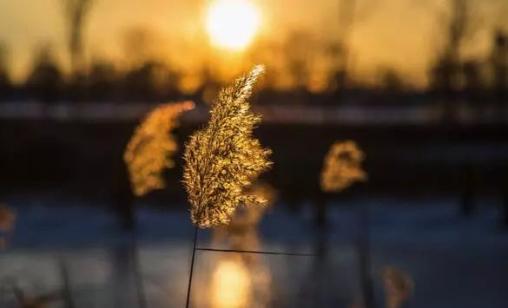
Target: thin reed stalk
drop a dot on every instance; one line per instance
(189, 285)
(363, 246)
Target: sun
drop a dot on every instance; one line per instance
(232, 24)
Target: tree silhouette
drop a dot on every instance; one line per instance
(351, 13)
(102, 80)
(499, 65)
(5, 81)
(391, 81)
(45, 80)
(446, 77)
(347, 10)
(76, 13)
(297, 54)
(147, 75)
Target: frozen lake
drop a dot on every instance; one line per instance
(76, 254)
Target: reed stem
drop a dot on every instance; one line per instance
(192, 267)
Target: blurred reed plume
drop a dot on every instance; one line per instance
(398, 286)
(245, 219)
(248, 217)
(7, 220)
(152, 146)
(223, 159)
(342, 167)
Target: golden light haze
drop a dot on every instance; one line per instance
(231, 285)
(232, 24)
(401, 34)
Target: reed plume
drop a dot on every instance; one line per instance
(152, 147)
(342, 167)
(7, 218)
(7, 221)
(398, 286)
(223, 158)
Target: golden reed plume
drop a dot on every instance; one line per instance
(398, 286)
(342, 167)
(152, 146)
(223, 159)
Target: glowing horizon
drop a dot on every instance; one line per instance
(176, 34)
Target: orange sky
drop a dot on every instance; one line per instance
(388, 33)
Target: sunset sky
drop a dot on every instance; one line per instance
(403, 34)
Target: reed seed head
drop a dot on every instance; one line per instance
(152, 147)
(342, 167)
(223, 158)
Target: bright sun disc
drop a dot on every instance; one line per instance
(232, 23)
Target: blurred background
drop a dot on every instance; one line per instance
(420, 86)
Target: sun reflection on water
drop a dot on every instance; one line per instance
(231, 284)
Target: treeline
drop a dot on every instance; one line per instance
(451, 78)
(302, 66)
(47, 82)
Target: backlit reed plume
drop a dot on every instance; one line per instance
(152, 146)
(342, 167)
(398, 286)
(223, 159)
